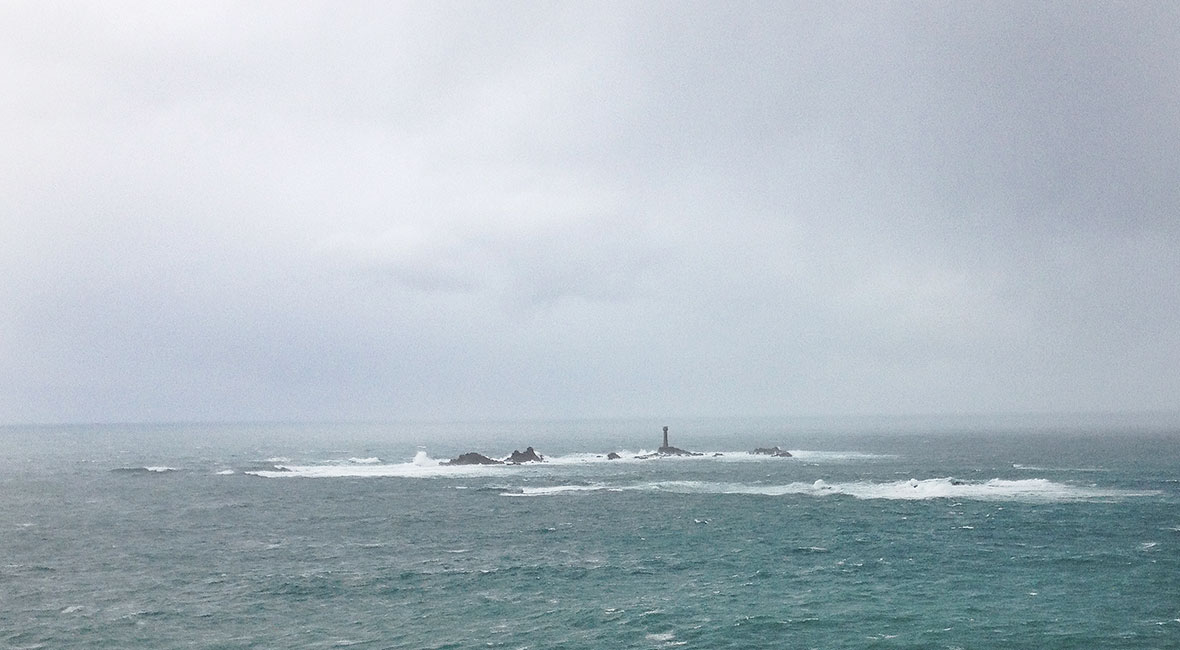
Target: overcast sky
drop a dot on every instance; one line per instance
(346, 210)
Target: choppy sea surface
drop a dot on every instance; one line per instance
(922, 534)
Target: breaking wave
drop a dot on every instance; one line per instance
(151, 469)
(837, 456)
(1037, 468)
(1033, 490)
(424, 466)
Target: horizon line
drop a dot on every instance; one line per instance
(1156, 414)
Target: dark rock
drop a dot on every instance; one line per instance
(613, 456)
(676, 451)
(772, 451)
(526, 456)
(472, 458)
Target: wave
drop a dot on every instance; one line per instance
(150, 469)
(1034, 490)
(806, 455)
(564, 489)
(837, 456)
(424, 466)
(1037, 468)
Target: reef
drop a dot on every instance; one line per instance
(472, 458)
(772, 451)
(529, 455)
(676, 451)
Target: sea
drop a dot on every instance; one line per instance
(953, 533)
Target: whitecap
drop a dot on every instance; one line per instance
(422, 459)
(558, 489)
(1029, 490)
(422, 466)
(992, 490)
(1038, 468)
(821, 457)
(150, 469)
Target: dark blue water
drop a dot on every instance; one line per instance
(927, 535)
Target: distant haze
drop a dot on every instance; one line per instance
(300, 210)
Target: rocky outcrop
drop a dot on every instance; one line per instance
(472, 458)
(526, 456)
(669, 451)
(613, 456)
(676, 451)
(772, 451)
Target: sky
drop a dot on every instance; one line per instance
(304, 210)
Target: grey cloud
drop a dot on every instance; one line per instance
(446, 210)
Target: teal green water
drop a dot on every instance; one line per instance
(353, 536)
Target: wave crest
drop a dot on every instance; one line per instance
(1037, 489)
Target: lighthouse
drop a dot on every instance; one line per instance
(669, 450)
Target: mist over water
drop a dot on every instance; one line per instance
(882, 533)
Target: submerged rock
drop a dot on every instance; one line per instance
(472, 458)
(526, 456)
(772, 451)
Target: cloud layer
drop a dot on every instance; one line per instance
(453, 210)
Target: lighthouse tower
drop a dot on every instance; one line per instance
(665, 436)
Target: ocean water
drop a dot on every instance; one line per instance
(907, 534)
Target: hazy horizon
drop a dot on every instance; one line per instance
(911, 422)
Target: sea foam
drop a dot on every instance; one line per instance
(422, 466)
(150, 469)
(1032, 490)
